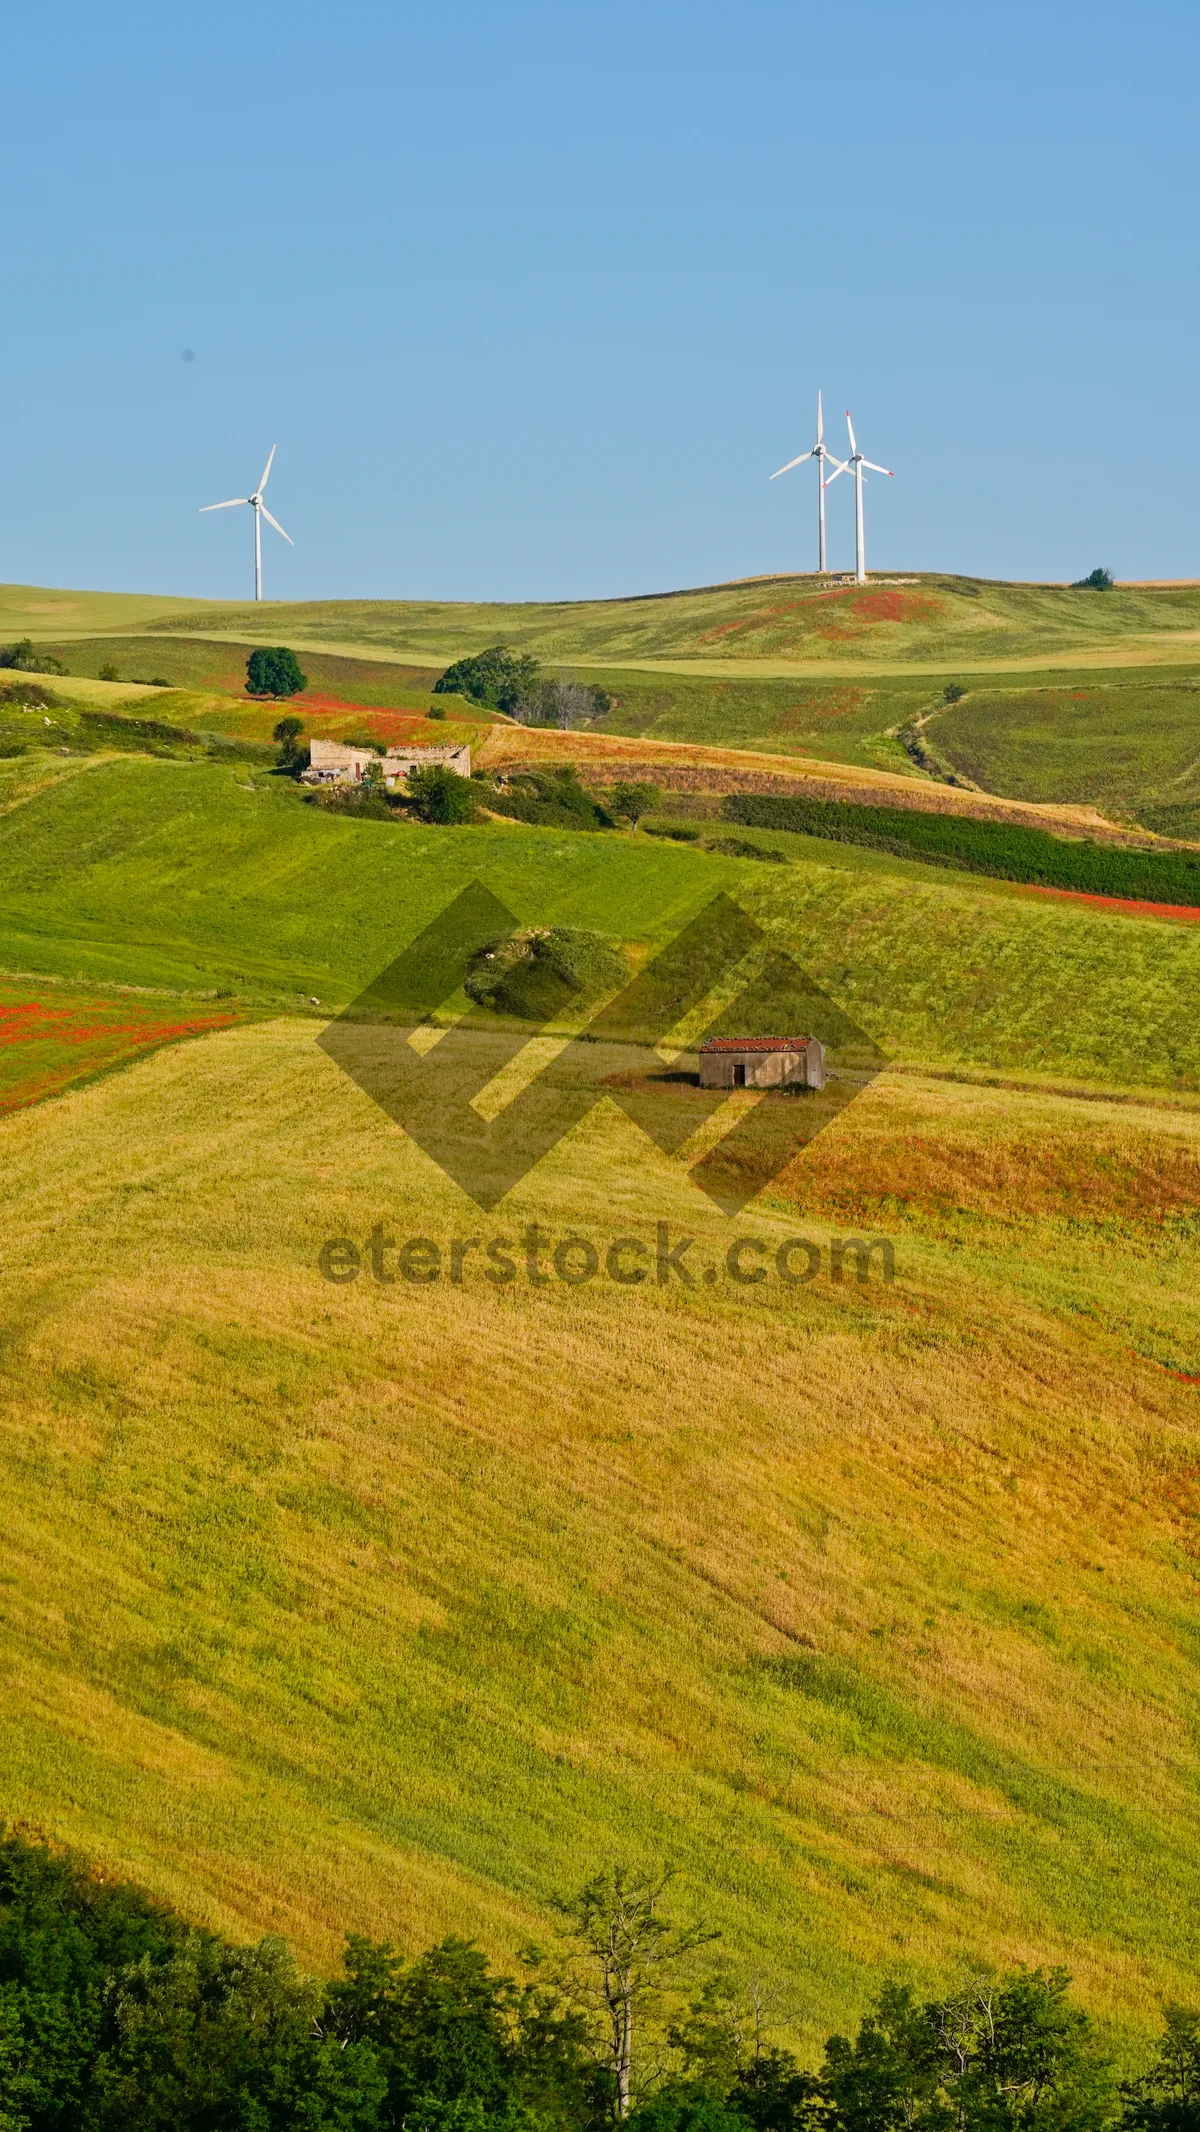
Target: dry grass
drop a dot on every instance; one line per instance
(398, 1607)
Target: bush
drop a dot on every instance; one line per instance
(534, 975)
(437, 794)
(549, 799)
(1006, 850)
(108, 672)
(1095, 581)
(953, 692)
(436, 711)
(497, 678)
(31, 696)
(27, 661)
(273, 670)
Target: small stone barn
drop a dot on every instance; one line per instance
(763, 1062)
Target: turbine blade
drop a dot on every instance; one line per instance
(226, 506)
(275, 522)
(850, 427)
(791, 463)
(879, 469)
(842, 468)
(820, 422)
(266, 470)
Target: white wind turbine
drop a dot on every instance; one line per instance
(857, 461)
(260, 512)
(820, 454)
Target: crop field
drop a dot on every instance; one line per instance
(50, 1041)
(870, 1607)
(195, 874)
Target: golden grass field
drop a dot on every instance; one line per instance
(398, 1607)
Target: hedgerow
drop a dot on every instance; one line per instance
(1007, 850)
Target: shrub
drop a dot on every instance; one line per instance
(108, 672)
(437, 794)
(953, 692)
(1096, 581)
(534, 975)
(550, 799)
(497, 678)
(273, 670)
(27, 661)
(31, 696)
(436, 711)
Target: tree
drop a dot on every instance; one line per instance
(627, 1956)
(497, 678)
(1167, 2098)
(953, 692)
(273, 670)
(564, 704)
(286, 734)
(1095, 581)
(632, 801)
(1006, 2056)
(437, 794)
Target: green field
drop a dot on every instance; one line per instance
(403, 1605)
(789, 622)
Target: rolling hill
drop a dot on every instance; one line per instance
(399, 1605)
(789, 624)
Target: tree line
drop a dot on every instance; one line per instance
(116, 2014)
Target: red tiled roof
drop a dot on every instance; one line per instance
(757, 1043)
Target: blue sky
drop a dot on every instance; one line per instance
(534, 297)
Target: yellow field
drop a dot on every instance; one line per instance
(398, 1607)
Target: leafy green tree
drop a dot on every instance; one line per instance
(273, 670)
(632, 801)
(437, 794)
(1167, 2097)
(497, 678)
(1095, 581)
(293, 755)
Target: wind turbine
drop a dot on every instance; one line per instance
(820, 454)
(857, 461)
(260, 512)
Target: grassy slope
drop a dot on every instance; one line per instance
(1130, 745)
(192, 874)
(402, 1607)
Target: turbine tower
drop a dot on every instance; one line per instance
(857, 461)
(820, 454)
(260, 512)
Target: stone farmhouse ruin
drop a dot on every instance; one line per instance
(763, 1062)
(335, 762)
